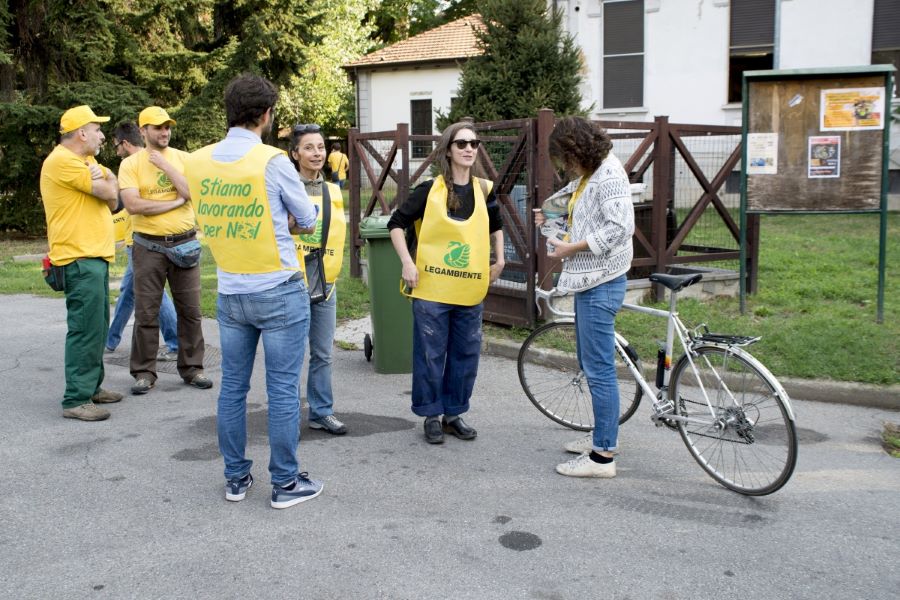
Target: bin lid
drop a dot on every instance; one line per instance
(374, 227)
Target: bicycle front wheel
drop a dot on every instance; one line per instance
(744, 438)
(552, 380)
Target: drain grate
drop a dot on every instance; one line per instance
(212, 360)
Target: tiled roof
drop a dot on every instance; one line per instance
(448, 42)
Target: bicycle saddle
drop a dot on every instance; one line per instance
(676, 282)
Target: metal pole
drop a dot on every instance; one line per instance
(743, 225)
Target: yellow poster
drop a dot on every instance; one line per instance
(852, 109)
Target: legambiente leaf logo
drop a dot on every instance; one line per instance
(315, 237)
(162, 180)
(458, 256)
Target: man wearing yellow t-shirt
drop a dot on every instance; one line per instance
(156, 194)
(78, 196)
(339, 164)
(127, 140)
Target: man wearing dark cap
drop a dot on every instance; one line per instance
(156, 195)
(78, 195)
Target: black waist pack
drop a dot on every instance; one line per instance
(53, 275)
(186, 255)
(314, 264)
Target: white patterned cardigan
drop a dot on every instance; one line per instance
(604, 217)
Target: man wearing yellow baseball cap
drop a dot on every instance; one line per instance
(78, 196)
(156, 194)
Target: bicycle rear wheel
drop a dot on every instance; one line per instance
(552, 380)
(751, 445)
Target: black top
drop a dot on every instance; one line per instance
(414, 208)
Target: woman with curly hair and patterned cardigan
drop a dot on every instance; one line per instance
(596, 254)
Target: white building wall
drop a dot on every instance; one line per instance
(392, 90)
(686, 51)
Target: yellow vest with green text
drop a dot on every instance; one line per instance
(232, 208)
(122, 227)
(334, 247)
(453, 257)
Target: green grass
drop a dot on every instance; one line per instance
(816, 306)
(815, 309)
(25, 278)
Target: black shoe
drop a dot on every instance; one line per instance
(459, 428)
(433, 433)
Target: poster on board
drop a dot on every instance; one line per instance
(762, 153)
(852, 109)
(824, 156)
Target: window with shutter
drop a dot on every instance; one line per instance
(886, 35)
(752, 41)
(623, 53)
(420, 124)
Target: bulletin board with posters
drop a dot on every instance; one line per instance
(816, 141)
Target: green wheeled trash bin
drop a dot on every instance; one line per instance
(391, 339)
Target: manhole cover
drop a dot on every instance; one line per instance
(212, 360)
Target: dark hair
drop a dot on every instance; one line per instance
(336, 147)
(575, 141)
(247, 98)
(128, 131)
(297, 132)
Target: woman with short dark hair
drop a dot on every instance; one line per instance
(596, 252)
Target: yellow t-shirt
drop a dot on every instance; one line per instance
(78, 224)
(138, 172)
(339, 163)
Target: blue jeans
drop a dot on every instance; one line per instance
(168, 321)
(281, 316)
(595, 320)
(446, 349)
(322, 324)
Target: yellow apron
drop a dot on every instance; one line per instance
(453, 257)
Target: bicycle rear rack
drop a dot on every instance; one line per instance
(722, 338)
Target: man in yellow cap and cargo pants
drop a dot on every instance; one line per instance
(156, 194)
(79, 195)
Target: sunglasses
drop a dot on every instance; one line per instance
(303, 128)
(461, 144)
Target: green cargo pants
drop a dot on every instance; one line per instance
(87, 317)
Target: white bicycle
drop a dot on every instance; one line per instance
(733, 415)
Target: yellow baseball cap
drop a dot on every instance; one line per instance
(154, 115)
(77, 117)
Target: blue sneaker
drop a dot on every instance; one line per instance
(236, 489)
(299, 490)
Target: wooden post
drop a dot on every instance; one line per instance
(404, 149)
(355, 175)
(662, 185)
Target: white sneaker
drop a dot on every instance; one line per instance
(581, 445)
(583, 466)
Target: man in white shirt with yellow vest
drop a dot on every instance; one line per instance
(248, 195)
(156, 194)
(78, 195)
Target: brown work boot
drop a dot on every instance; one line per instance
(86, 412)
(106, 397)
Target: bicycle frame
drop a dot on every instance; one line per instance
(662, 407)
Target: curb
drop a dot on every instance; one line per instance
(818, 390)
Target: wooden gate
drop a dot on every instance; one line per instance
(685, 189)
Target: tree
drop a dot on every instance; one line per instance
(321, 92)
(528, 63)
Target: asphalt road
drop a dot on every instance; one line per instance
(133, 507)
